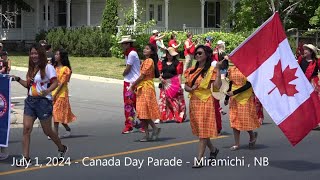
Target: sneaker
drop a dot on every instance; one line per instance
(62, 154)
(157, 121)
(127, 130)
(67, 134)
(142, 130)
(49, 138)
(23, 162)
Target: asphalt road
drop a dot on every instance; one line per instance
(97, 134)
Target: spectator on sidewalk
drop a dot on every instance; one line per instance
(153, 39)
(50, 55)
(173, 42)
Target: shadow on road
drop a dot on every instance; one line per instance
(76, 136)
(295, 165)
(246, 147)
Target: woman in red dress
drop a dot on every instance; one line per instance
(310, 66)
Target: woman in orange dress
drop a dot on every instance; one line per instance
(61, 108)
(146, 106)
(243, 112)
(199, 80)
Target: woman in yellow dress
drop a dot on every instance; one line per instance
(243, 112)
(199, 80)
(146, 106)
(61, 108)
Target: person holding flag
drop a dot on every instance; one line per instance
(243, 114)
(265, 58)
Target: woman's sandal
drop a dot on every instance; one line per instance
(145, 139)
(213, 155)
(234, 148)
(253, 143)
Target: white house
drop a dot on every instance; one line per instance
(194, 15)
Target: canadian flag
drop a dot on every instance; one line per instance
(267, 61)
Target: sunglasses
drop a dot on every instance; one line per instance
(199, 53)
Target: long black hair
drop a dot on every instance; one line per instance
(155, 58)
(64, 56)
(208, 52)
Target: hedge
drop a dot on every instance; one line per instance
(87, 41)
(83, 41)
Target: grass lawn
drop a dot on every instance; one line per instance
(109, 67)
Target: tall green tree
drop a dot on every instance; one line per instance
(250, 14)
(315, 20)
(110, 17)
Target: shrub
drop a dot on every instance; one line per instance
(83, 41)
(110, 17)
(41, 35)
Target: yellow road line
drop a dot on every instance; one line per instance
(108, 155)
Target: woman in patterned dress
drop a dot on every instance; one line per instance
(199, 80)
(243, 112)
(61, 108)
(172, 105)
(146, 106)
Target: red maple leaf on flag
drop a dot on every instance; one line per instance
(282, 80)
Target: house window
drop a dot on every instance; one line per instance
(209, 14)
(44, 13)
(159, 12)
(12, 13)
(218, 23)
(151, 12)
(62, 13)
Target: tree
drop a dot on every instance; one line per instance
(110, 17)
(9, 14)
(129, 21)
(250, 14)
(315, 20)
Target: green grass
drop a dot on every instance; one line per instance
(109, 67)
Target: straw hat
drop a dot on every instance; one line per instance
(172, 51)
(220, 42)
(221, 94)
(311, 47)
(126, 39)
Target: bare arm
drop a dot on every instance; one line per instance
(188, 46)
(9, 65)
(157, 38)
(127, 70)
(2, 70)
(176, 45)
(141, 77)
(53, 86)
(20, 81)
